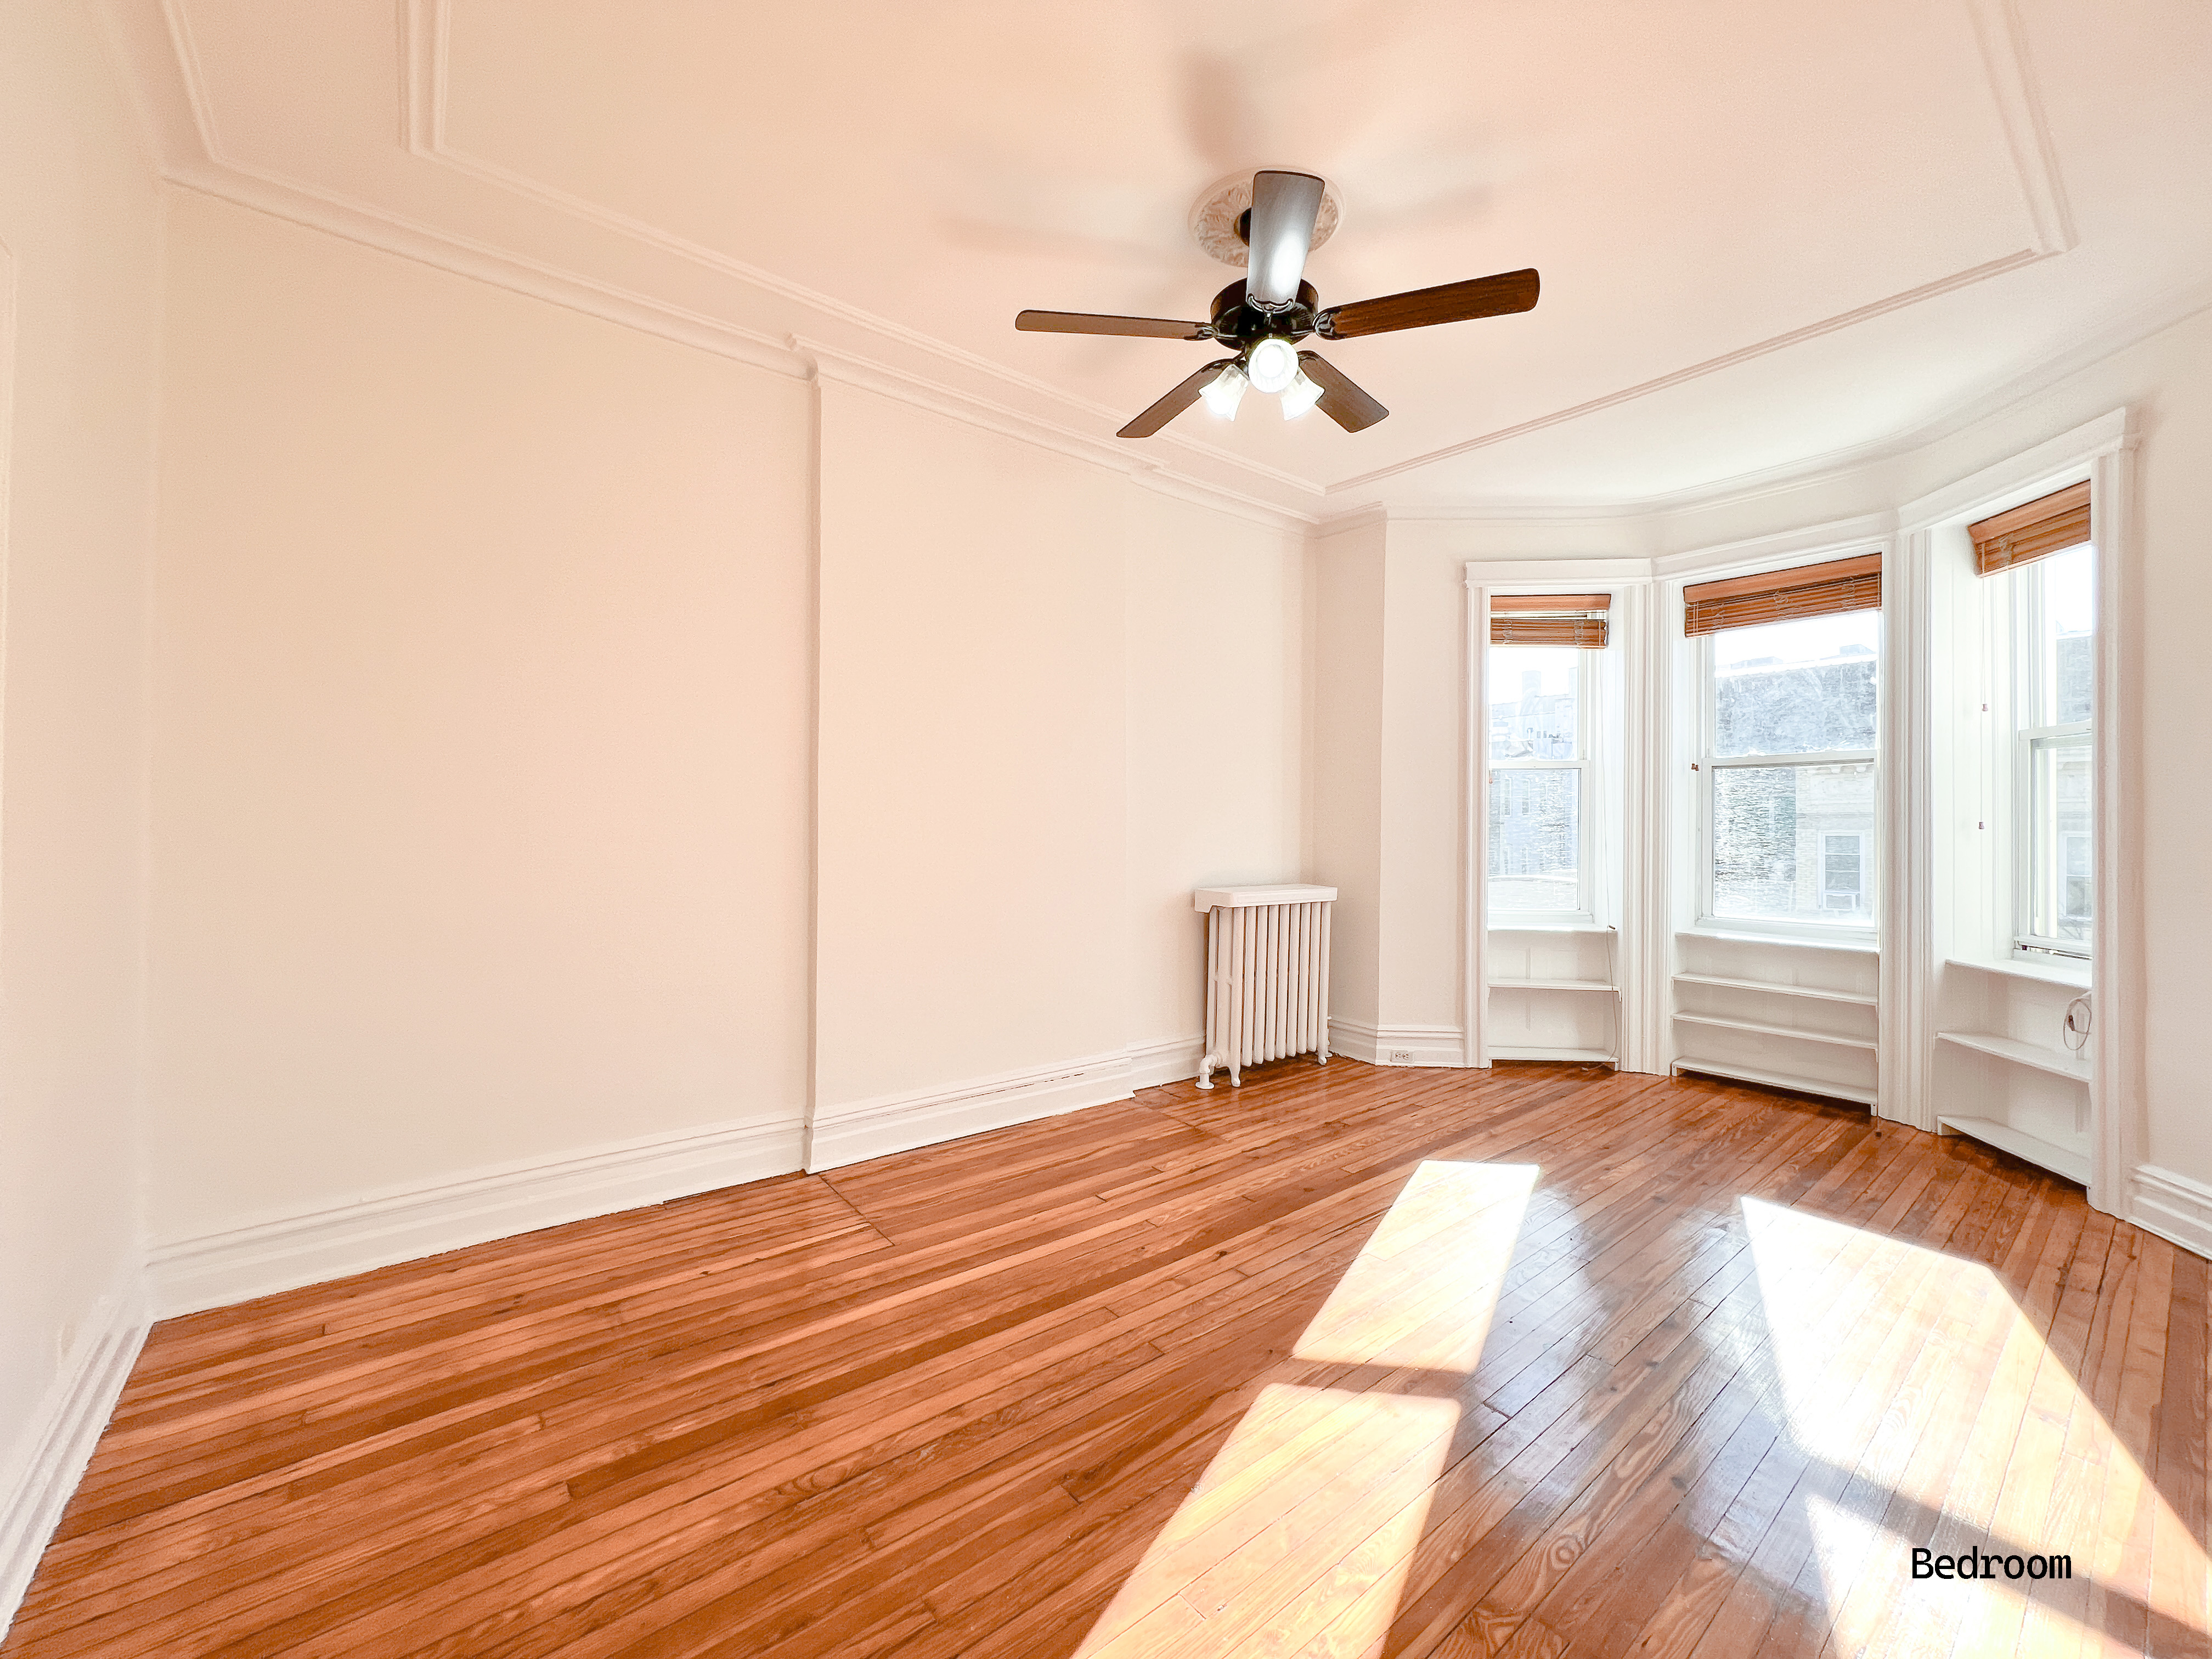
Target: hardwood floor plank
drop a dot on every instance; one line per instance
(1299, 1368)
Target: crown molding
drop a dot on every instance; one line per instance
(152, 42)
(1837, 465)
(2019, 108)
(1363, 517)
(1967, 278)
(1868, 531)
(831, 363)
(2032, 470)
(425, 59)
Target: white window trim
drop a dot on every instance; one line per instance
(1588, 748)
(1708, 765)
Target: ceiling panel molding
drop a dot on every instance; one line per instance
(2017, 105)
(425, 61)
(2019, 108)
(152, 42)
(619, 270)
(2020, 111)
(423, 32)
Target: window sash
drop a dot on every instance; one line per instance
(2039, 882)
(1582, 763)
(1584, 908)
(1708, 768)
(2041, 847)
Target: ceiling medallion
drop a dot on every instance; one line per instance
(1213, 217)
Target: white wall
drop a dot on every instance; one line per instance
(483, 681)
(565, 738)
(971, 915)
(1053, 702)
(1215, 610)
(1346, 756)
(79, 262)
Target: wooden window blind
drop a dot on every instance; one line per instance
(1810, 590)
(1575, 619)
(2033, 530)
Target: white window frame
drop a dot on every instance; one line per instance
(1588, 743)
(1709, 766)
(2029, 669)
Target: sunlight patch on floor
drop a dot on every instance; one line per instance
(1299, 1538)
(1945, 1422)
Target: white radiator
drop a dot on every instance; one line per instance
(1266, 975)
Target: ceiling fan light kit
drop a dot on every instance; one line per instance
(1224, 391)
(1271, 364)
(1302, 396)
(1265, 315)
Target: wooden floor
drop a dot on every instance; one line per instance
(1344, 1362)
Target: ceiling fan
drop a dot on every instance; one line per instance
(1265, 316)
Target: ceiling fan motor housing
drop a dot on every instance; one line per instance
(1236, 322)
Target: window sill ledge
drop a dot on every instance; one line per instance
(2042, 973)
(1863, 944)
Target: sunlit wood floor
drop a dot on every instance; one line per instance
(1344, 1362)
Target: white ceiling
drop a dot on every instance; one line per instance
(1768, 234)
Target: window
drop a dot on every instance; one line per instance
(1843, 876)
(1788, 768)
(1541, 711)
(2054, 633)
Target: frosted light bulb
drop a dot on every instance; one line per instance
(1303, 395)
(1224, 391)
(1272, 364)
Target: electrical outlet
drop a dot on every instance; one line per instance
(1401, 1056)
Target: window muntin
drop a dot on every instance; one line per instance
(2054, 606)
(1539, 716)
(1790, 797)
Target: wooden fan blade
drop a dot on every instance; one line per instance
(1284, 205)
(1184, 395)
(1086, 322)
(1342, 399)
(1455, 302)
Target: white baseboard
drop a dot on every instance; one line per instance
(262, 1257)
(1170, 1060)
(2174, 1207)
(898, 1123)
(1397, 1045)
(59, 1443)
